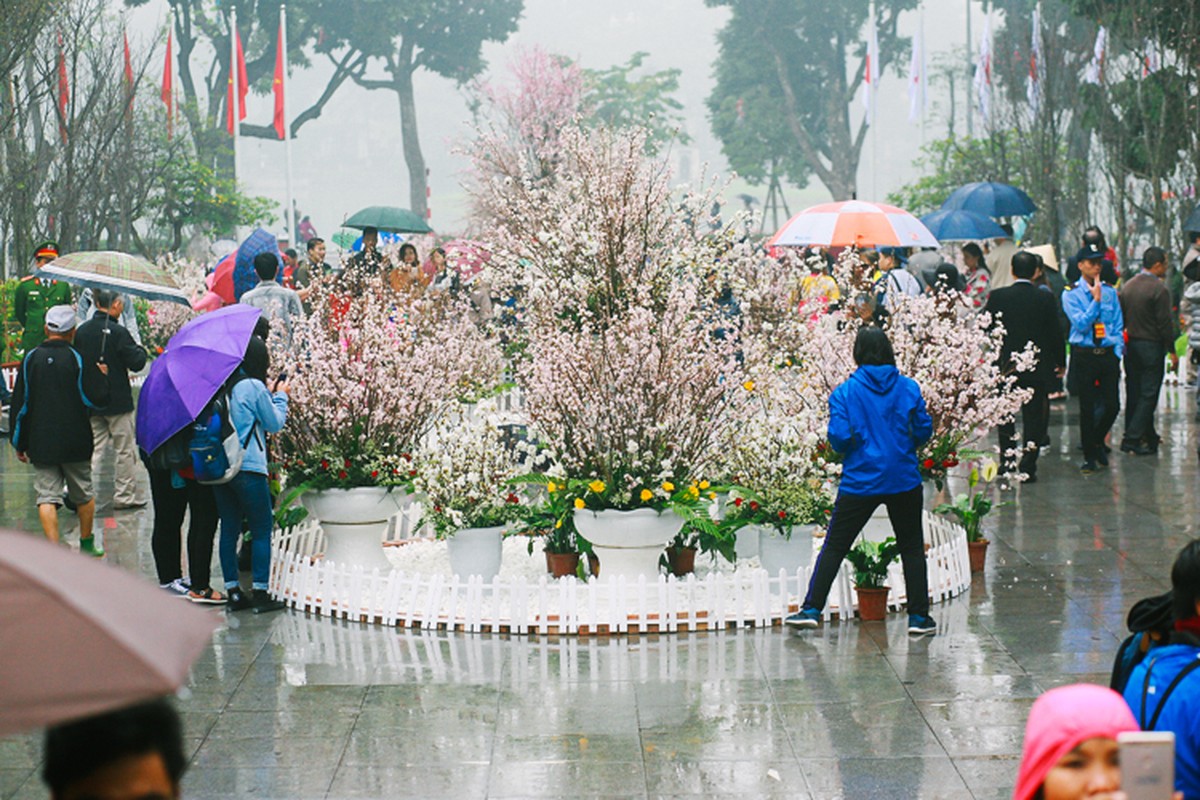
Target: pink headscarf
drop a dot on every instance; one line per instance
(1061, 720)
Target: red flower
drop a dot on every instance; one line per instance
(324, 463)
(412, 473)
(928, 463)
(782, 514)
(952, 462)
(406, 456)
(737, 501)
(342, 474)
(346, 463)
(437, 509)
(947, 463)
(754, 505)
(512, 498)
(374, 473)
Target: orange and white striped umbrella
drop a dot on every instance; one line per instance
(853, 223)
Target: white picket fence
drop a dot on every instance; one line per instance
(567, 606)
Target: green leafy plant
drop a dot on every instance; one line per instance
(548, 515)
(789, 504)
(974, 505)
(871, 560)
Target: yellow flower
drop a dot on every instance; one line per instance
(990, 468)
(552, 487)
(596, 486)
(712, 495)
(694, 492)
(646, 495)
(668, 486)
(973, 478)
(704, 484)
(558, 524)
(748, 386)
(579, 502)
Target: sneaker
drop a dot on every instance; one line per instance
(263, 602)
(804, 618)
(1102, 457)
(177, 587)
(921, 624)
(208, 597)
(88, 547)
(237, 599)
(1088, 468)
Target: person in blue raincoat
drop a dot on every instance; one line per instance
(877, 420)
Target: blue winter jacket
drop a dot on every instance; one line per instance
(250, 402)
(877, 420)
(1182, 712)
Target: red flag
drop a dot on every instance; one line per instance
(168, 85)
(64, 90)
(243, 87)
(277, 84)
(128, 76)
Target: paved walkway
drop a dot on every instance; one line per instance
(288, 706)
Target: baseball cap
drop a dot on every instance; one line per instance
(60, 319)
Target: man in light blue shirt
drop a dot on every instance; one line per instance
(1097, 344)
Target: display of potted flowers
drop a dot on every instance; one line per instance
(465, 468)
(548, 516)
(370, 375)
(870, 561)
(972, 507)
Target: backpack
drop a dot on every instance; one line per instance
(216, 451)
(173, 454)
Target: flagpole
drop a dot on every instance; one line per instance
(923, 66)
(289, 214)
(233, 88)
(970, 76)
(876, 74)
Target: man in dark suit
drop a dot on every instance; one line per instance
(1028, 315)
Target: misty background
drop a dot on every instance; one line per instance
(351, 156)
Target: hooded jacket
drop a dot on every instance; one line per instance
(1060, 721)
(1181, 715)
(49, 412)
(877, 420)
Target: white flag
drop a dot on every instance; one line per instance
(917, 81)
(1037, 70)
(983, 72)
(871, 67)
(1152, 61)
(1095, 68)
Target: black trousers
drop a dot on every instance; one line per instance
(1035, 421)
(1144, 370)
(169, 507)
(1096, 378)
(850, 515)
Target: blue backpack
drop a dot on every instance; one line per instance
(217, 451)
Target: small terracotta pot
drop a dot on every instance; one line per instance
(872, 603)
(561, 564)
(682, 560)
(977, 554)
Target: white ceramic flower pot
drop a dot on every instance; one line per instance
(776, 553)
(628, 542)
(354, 521)
(745, 544)
(476, 551)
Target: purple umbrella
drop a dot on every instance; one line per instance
(197, 362)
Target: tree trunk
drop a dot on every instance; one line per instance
(402, 84)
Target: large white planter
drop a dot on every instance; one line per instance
(745, 543)
(776, 553)
(476, 551)
(628, 542)
(354, 521)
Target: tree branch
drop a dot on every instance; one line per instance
(349, 66)
(807, 145)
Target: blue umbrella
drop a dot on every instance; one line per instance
(961, 226)
(990, 199)
(244, 276)
(197, 362)
(385, 237)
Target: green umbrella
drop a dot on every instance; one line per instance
(120, 272)
(388, 218)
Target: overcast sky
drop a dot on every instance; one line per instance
(351, 157)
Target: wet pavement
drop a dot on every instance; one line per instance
(293, 706)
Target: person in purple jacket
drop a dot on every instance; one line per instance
(877, 420)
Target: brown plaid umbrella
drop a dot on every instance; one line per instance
(78, 637)
(121, 272)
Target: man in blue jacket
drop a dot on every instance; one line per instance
(1164, 690)
(877, 420)
(1097, 341)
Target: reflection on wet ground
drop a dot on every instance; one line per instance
(289, 706)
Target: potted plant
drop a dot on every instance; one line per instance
(371, 376)
(870, 561)
(971, 507)
(549, 517)
(783, 515)
(465, 468)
